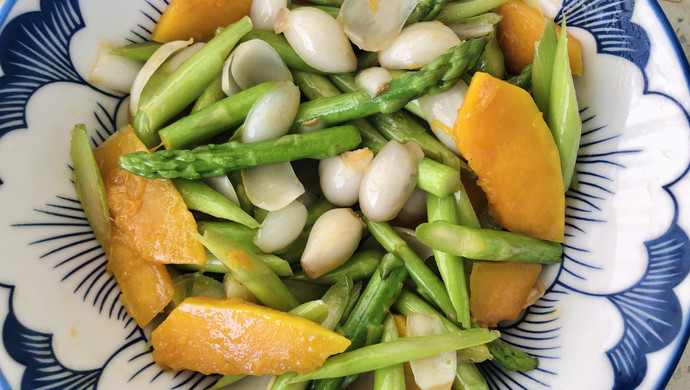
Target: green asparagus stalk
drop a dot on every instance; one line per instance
(391, 377)
(141, 51)
(278, 42)
(186, 83)
(250, 271)
(463, 206)
(276, 264)
(236, 231)
(89, 185)
(425, 10)
(524, 79)
(216, 160)
(458, 11)
(360, 266)
(491, 60)
(352, 301)
(506, 355)
(397, 351)
(487, 244)
(450, 266)
(215, 119)
(429, 285)
(564, 116)
(438, 76)
(433, 177)
(194, 285)
(542, 66)
(212, 94)
(236, 180)
(468, 377)
(199, 196)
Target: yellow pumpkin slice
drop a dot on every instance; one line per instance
(520, 28)
(236, 337)
(146, 287)
(198, 19)
(499, 290)
(151, 214)
(502, 134)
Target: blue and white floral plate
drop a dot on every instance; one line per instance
(615, 314)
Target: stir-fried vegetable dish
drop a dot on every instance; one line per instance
(318, 190)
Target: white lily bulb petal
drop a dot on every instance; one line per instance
(389, 180)
(332, 241)
(264, 12)
(223, 186)
(472, 29)
(374, 25)
(113, 72)
(373, 80)
(255, 62)
(281, 227)
(317, 38)
(227, 82)
(435, 372)
(182, 56)
(154, 62)
(272, 115)
(441, 110)
(272, 186)
(340, 176)
(417, 45)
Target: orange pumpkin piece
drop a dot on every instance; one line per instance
(198, 19)
(236, 337)
(151, 214)
(502, 134)
(499, 290)
(519, 30)
(146, 287)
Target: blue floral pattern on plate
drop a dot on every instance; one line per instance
(35, 52)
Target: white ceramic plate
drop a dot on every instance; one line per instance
(615, 315)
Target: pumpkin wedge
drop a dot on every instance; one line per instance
(151, 214)
(236, 337)
(197, 19)
(146, 286)
(499, 290)
(520, 28)
(503, 136)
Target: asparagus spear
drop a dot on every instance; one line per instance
(542, 66)
(249, 270)
(524, 79)
(397, 351)
(433, 177)
(427, 282)
(563, 115)
(503, 353)
(458, 11)
(186, 83)
(450, 266)
(213, 119)
(279, 266)
(468, 377)
(487, 244)
(438, 76)
(425, 10)
(215, 160)
(141, 51)
(212, 93)
(200, 196)
(391, 377)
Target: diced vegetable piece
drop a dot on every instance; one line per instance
(198, 19)
(502, 134)
(231, 337)
(518, 31)
(498, 291)
(89, 185)
(151, 213)
(146, 286)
